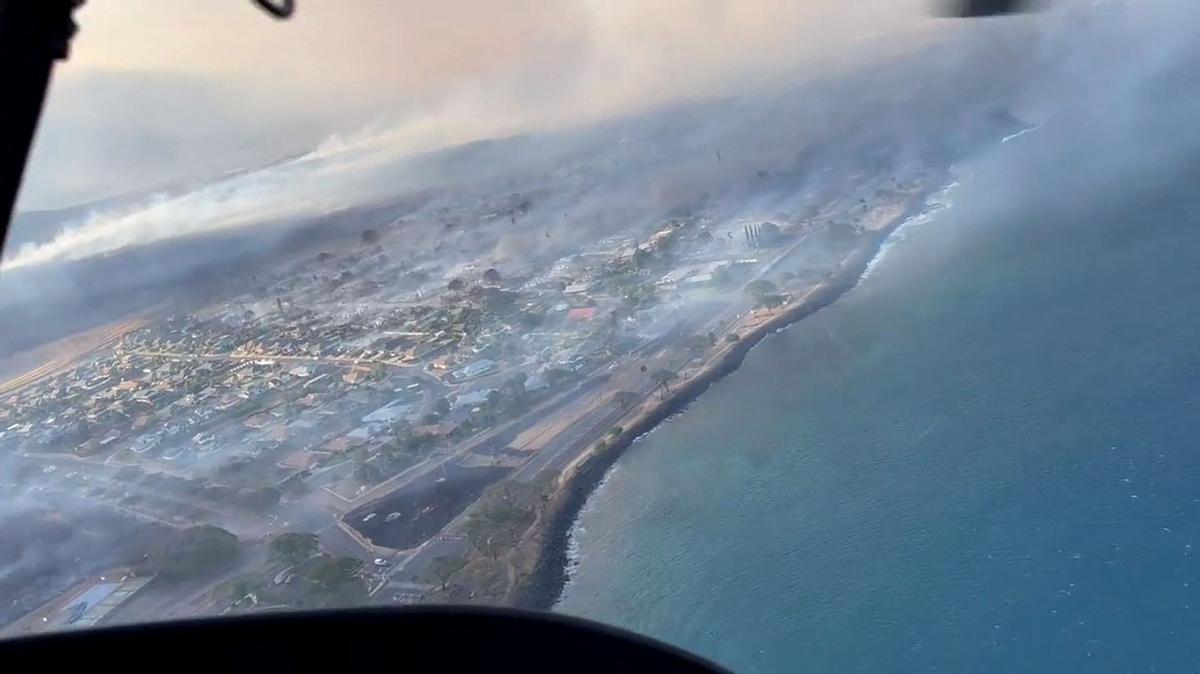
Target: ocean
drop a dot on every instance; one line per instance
(983, 458)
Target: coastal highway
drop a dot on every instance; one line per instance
(594, 424)
(494, 437)
(585, 432)
(411, 568)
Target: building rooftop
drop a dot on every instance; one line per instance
(581, 314)
(302, 460)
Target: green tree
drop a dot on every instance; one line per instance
(514, 386)
(335, 572)
(417, 441)
(261, 499)
(626, 399)
(615, 431)
(293, 548)
(441, 406)
(557, 376)
(336, 581)
(370, 236)
(732, 337)
(495, 399)
(662, 379)
(368, 473)
(759, 289)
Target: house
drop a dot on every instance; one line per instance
(301, 371)
(301, 460)
(393, 411)
(362, 433)
(475, 369)
(472, 398)
(582, 314)
(356, 375)
(578, 288)
(536, 382)
(435, 430)
(341, 444)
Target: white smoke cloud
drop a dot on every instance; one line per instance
(585, 61)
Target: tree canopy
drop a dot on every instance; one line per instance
(367, 473)
(336, 581)
(760, 288)
(441, 406)
(334, 572)
(627, 399)
(293, 548)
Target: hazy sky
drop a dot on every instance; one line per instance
(158, 91)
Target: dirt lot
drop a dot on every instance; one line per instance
(26, 367)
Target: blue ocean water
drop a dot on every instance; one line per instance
(984, 458)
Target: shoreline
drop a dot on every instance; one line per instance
(542, 588)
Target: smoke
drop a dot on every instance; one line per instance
(611, 115)
(407, 80)
(46, 547)
(767, 81)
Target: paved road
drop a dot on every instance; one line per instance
(338, 542)
(409, 370)
(582, 434)
(411, 568)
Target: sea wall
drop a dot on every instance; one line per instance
(541, 588)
